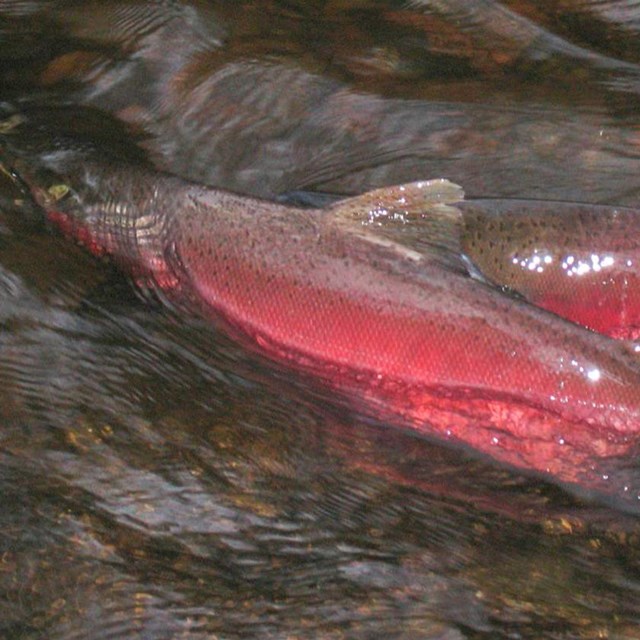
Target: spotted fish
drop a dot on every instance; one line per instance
(579, 261)
(407, 333)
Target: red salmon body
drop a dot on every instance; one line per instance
(407, 334)
(413, 335)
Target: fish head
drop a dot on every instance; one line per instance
(37, 162)
(47, 151)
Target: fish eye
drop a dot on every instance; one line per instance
(58, 191)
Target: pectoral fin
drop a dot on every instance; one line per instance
(418, 217)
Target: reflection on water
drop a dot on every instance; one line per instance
(156, 481)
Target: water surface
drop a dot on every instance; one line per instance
(157, 481)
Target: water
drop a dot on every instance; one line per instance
(156, 480)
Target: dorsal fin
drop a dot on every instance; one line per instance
(418, 217)
(402, 199)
